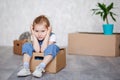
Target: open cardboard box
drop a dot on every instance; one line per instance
(17, 48)
(58, 63)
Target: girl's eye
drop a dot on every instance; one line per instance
(43, 31)
(36, 30)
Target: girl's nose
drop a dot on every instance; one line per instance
(39, 34)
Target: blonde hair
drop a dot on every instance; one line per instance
(42, 19)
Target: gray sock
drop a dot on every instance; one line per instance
(42, 65)
(26, 64)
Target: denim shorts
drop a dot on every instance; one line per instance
(52, 49)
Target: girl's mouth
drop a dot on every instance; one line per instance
(40, 37)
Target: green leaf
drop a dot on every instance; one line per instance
(98, 13)
(114, 14)
(101, 14)
(104, 17)
(111, 14)
(110, 7)
(102, 7)
(95, 10)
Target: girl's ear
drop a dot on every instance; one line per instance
(47, 27)
(50, 28)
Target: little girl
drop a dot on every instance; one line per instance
(43, 40)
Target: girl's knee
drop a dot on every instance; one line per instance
(27, 44)
(28, 53)
(51, 50)
(52, 46)
(27, 48)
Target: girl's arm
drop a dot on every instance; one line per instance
(35, 42)
(46, 40)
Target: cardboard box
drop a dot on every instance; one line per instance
(94, 44)
(58, 63)
(17, 48)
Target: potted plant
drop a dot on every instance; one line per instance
(105, 11)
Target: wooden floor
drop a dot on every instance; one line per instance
(77, 68)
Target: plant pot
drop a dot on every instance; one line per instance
(108, 29)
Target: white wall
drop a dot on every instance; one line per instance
(66, 16)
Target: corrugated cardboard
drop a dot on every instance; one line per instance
(94, 44)
(17, 48)
(54, 66)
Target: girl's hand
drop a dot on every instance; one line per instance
(33, 37)
(49, 30)
(31, 29)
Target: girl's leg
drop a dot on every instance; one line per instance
(27, 50)
(49, 53)
(47, 59)
(26, 60)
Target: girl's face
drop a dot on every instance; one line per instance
(40, 31)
